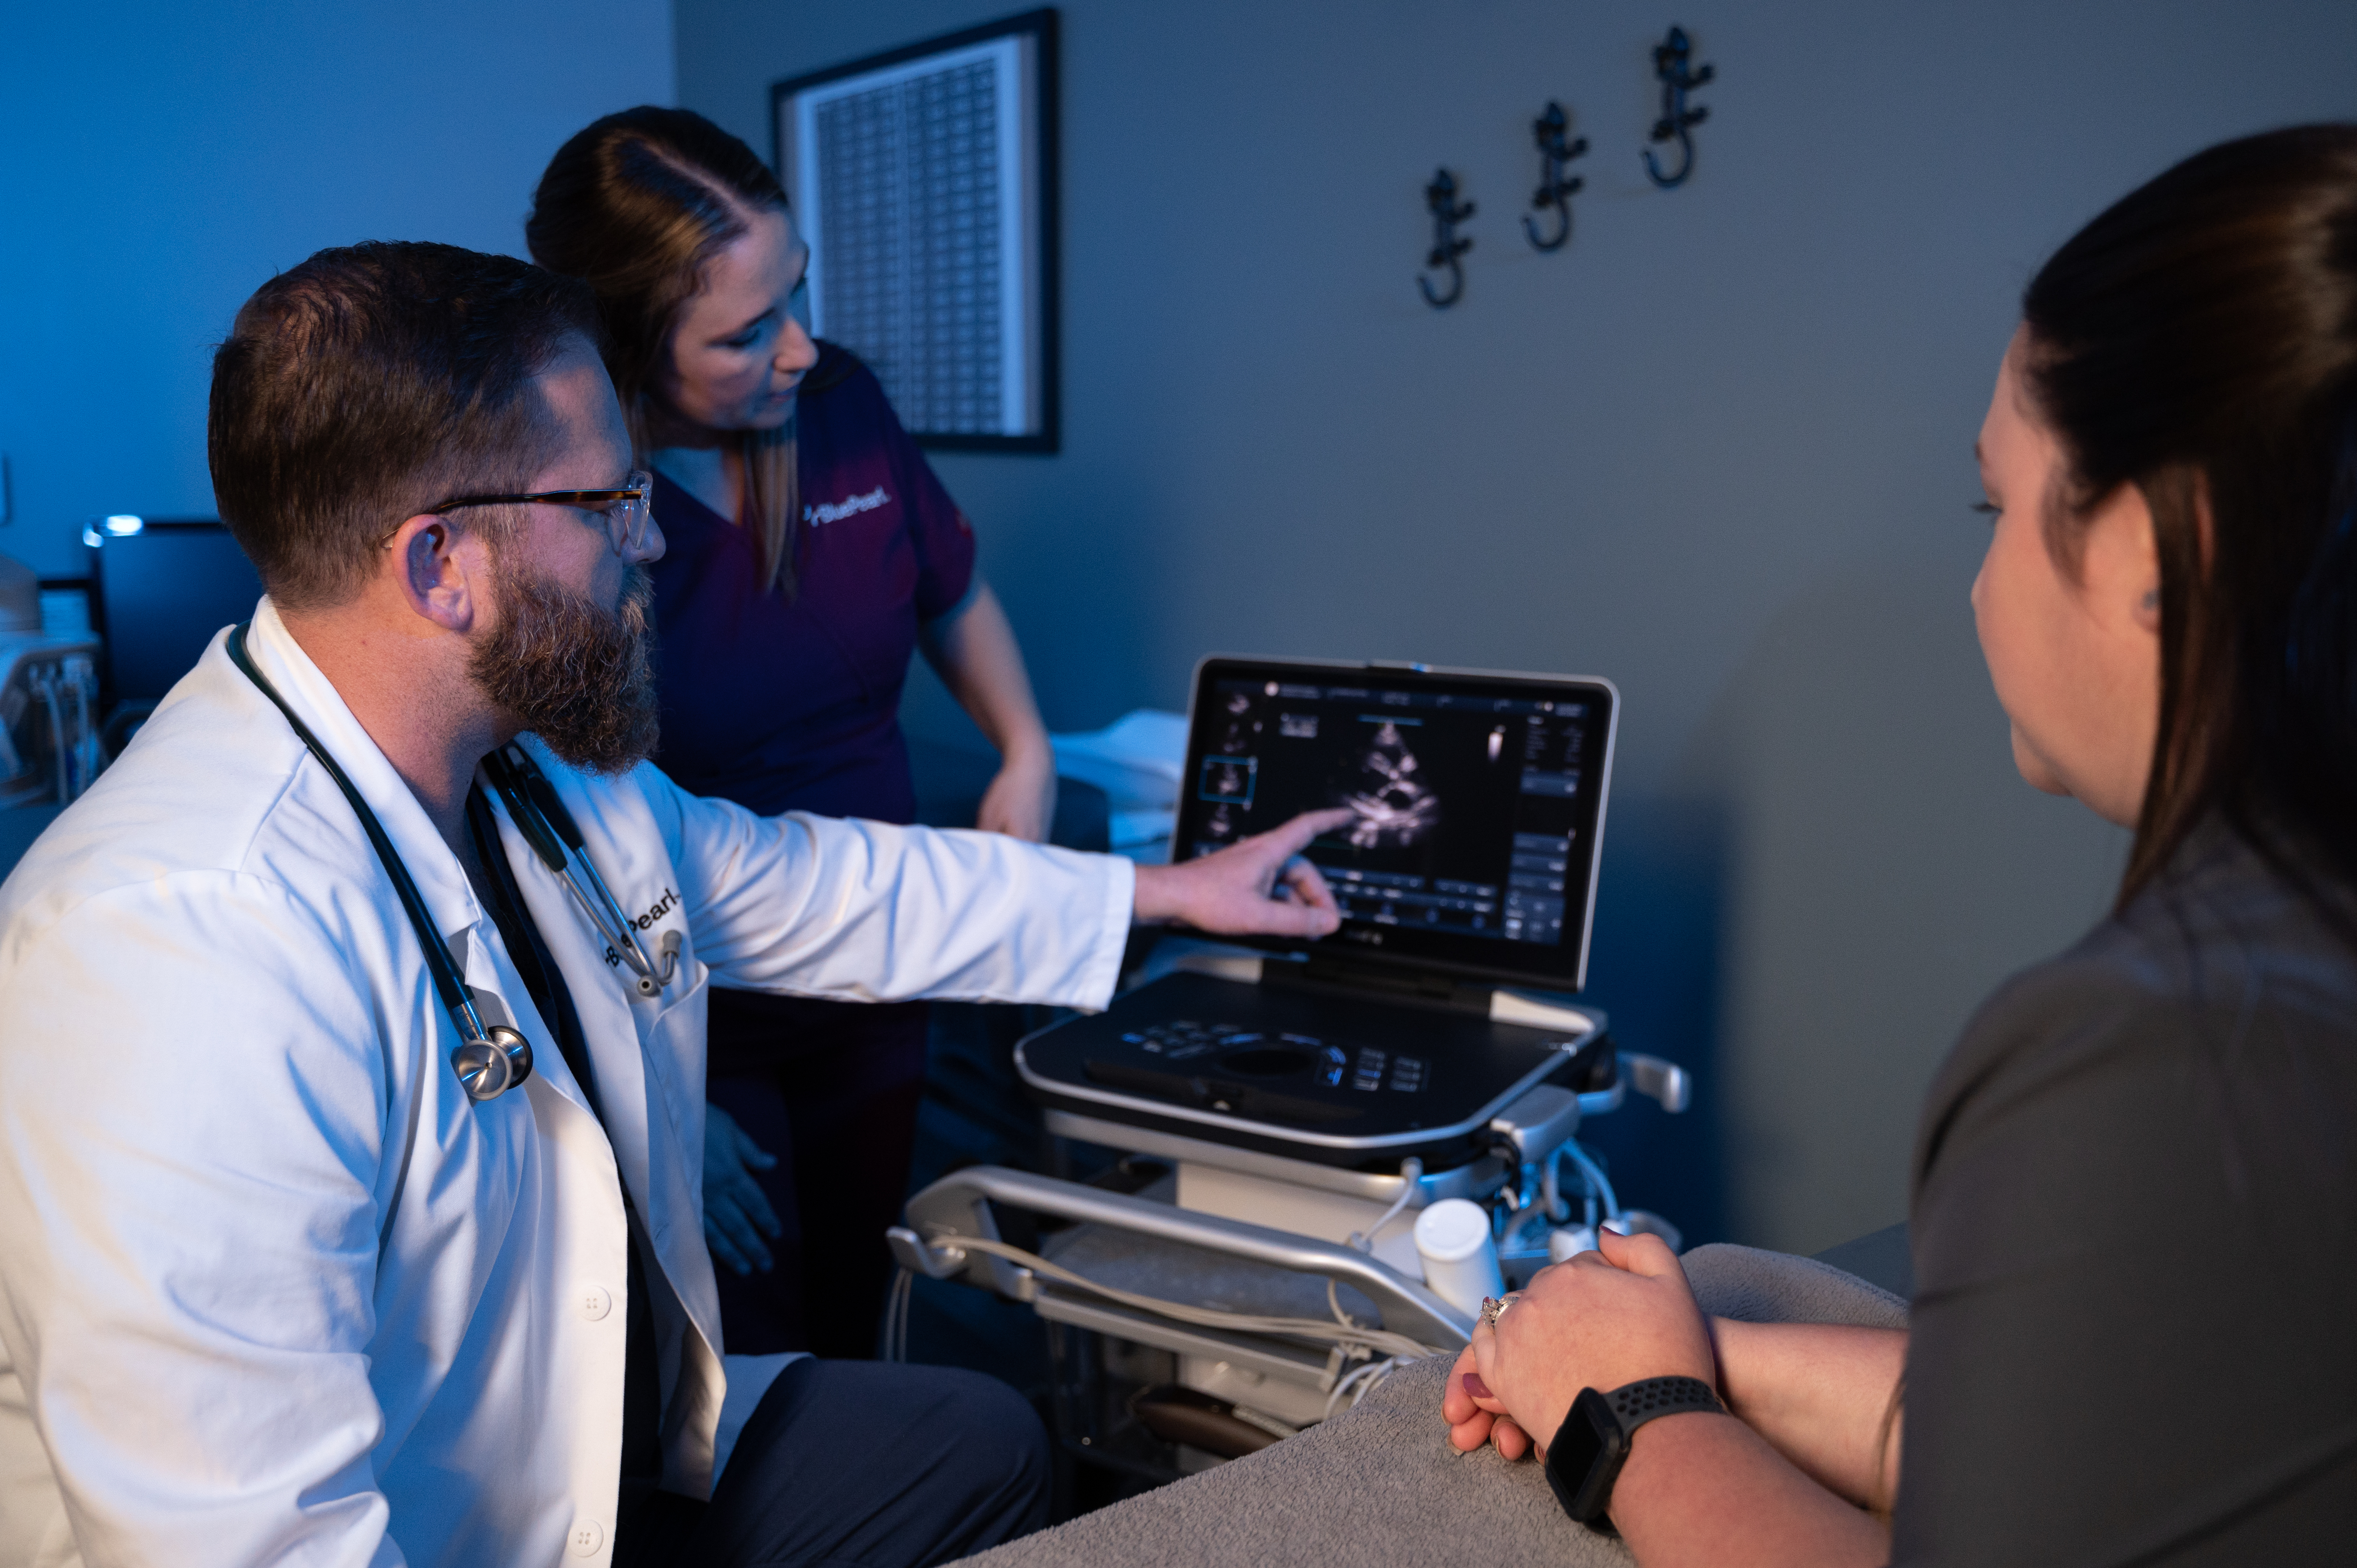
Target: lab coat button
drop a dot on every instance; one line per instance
(596, 1302)
(588, 1536)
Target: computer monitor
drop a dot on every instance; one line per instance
(1478, 802)
(159, 589)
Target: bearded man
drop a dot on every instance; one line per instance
(352, 1029)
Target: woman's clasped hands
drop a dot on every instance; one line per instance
(1600, 1320)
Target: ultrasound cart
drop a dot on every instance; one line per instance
(1286, 1114)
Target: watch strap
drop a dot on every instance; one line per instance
(1639, 1402)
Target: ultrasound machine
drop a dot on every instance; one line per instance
(1296, 1119)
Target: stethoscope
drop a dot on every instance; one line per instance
(490, 1060)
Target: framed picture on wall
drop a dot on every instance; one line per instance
(924, 181)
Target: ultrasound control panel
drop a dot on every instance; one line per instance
(1476, 802)
(1296, 1072)
(1366, 1069)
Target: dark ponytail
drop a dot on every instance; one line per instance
(2198, 341)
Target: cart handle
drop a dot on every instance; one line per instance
(955, 1206)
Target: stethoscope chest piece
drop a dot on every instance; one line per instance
(490, 1065)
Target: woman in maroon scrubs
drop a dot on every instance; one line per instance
(810, 550)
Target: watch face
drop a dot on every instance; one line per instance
(1586, 1455)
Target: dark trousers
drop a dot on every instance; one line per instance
(831, 1089)
(859, 1465)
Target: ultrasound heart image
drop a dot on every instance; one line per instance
(1394, 807)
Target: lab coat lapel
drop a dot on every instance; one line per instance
(654, 1046)
(647, 1055)
(606, 1024)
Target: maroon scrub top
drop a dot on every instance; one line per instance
(783, 705)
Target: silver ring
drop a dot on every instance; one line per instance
(1494, 1308)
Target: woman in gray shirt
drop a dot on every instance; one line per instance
(2134, 1217)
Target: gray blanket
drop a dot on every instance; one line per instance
(1381, 1485)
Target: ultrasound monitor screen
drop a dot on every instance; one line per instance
(1476, 802)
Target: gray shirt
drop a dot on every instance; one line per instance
(2134, 1225)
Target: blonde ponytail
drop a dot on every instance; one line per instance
(773, 503)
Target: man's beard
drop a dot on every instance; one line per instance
(576, 675)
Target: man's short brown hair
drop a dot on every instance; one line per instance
(369, 384)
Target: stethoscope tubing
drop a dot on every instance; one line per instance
(489, 1061)
(551, 830)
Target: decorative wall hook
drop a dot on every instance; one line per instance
(1440, 196)
(1678, 120)
(1554, 192)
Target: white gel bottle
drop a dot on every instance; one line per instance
(1461, 1260)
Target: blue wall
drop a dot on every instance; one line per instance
(1718, 449)
(163, 160)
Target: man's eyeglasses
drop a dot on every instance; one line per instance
(627, 512)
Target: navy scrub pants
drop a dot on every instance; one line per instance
(859, 1465)
(831, 1089)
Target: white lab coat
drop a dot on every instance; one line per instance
(217, 1033)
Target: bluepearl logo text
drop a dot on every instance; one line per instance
(849, 506)
(662, 906)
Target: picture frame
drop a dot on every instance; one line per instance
(924, 180)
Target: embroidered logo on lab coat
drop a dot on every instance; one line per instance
(662, 906)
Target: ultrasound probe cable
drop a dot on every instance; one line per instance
(1597, 1182)
(1411, 1172)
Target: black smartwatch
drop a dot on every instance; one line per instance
(1592, 1443)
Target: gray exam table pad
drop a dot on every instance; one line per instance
(1380, 1487)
